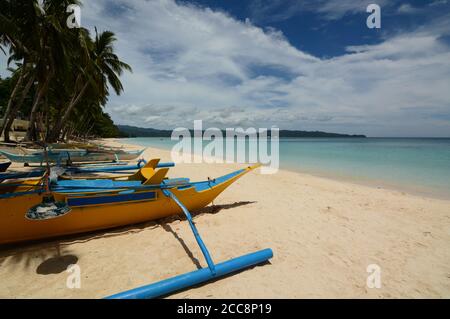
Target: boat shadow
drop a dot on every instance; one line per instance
(56, 255)
(191, 256)
(211, 210)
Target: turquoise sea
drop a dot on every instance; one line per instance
(419, 165)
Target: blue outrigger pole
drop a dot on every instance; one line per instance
(114, 168)
(213, 271)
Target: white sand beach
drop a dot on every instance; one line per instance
(324, 234)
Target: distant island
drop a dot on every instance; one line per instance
(134, 131)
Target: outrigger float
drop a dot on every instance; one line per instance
(37, 208)
(212, 272)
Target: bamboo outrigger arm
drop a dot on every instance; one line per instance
(213, 271)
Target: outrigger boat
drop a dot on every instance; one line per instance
(75, 206)
(102, 202)
(72, 155)
(80, 171)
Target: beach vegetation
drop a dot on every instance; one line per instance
(61, 77)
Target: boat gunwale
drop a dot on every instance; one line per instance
(114, 191)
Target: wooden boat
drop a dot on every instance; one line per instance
(104, 203)
(62, 155)
(4, 166)
(21, 175)
(98, 204)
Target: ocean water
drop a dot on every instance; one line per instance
(419, 165)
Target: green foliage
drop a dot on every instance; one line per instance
(133, 131)
(61, 76)
(105, 127)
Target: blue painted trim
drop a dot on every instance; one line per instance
(167, 286)
(30, 174)
(113, 168)
(99, 200)
(201, 186)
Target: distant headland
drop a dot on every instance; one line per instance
(134, 131)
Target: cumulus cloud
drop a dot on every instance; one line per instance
(195, 63)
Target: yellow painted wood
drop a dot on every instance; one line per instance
(14, 227)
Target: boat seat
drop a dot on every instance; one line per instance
(145, 172)
(157, 177)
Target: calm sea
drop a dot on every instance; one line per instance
(420, 165)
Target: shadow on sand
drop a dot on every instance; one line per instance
(56, 265)
(56, 256)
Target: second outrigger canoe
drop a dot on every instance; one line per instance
(59, 156)
(104, 203)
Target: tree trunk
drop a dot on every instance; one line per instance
(70, 131)
(57, 128)
(31, 133)
(12, 116)
(11, 101)
(88, 131)
(64, 133)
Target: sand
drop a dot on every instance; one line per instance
(324, 234)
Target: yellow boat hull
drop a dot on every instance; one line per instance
(15, 227)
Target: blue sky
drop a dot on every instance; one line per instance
(326, 28)
(295, 64)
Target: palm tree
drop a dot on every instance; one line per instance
(34, 35)
(102, 70)
(14, 17)
(9, 118)
(58, 69)
(52, 45)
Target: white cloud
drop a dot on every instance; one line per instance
(192, 63)
(336, 9)
(3, 65)
(279, 10)
(438, 3)
(406, 8)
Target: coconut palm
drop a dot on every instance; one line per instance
(53, 46)
(103, 69)
(15, 16)
(58, 68)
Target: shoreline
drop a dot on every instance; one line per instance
(419, 191)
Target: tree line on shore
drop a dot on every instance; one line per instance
(61, 77)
